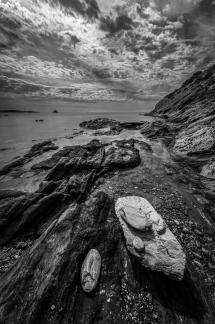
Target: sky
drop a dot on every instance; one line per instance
(120, 49)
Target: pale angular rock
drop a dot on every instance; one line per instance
(156, 247)
(90, 271)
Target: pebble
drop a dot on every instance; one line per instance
(185, 230)
(197, 263)
(205, 252)
(177, 222)
(198, 232)
(197, 255)
(138, 244)
(53, 307)
(211, 266)
(90, 271)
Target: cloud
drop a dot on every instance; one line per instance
(174, 8)
(48, 43)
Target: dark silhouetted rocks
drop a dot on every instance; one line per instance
(98, 123)
(35, 151)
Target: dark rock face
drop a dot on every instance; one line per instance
(98, 123)
(73, 172)
(187, 120)
(73, 212)
(189, 114)
(36, 150)
(115, 126)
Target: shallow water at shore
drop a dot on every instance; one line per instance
(19, 131)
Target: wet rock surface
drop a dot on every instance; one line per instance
(99, 123)
(35, 151)
(46, 237)
(114, 127)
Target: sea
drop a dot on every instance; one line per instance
(19, 131)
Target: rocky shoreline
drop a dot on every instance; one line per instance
(69, 255)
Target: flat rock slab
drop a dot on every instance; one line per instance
(90, 271)
(149, 238)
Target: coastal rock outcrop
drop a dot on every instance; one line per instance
(149, 238)
(35, 151)
(185, 119)
(71, 173)
(99, 123)
(114, 127)
(46, 235)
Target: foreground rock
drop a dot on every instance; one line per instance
(90, 271)
(71, 174)
(46, 235)
(148, 237)
(35, 151)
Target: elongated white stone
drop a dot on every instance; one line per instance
(155, 245)
(90, 271)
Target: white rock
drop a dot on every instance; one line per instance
(158, 248)
(138, 244)
(90, 270)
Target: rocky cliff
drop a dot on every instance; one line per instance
(186, 119)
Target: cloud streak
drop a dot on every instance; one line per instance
(46, 42)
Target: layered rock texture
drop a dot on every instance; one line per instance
(148, 237)
(65, 256)
(186, 119)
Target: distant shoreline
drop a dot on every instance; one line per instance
(12, 111)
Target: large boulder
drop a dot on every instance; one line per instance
(149, 238)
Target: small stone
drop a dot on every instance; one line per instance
(155, 316)
(205, 252)
(198, 256)
(22, 245)
(208, 239)
(90, 271)
(53, 307)
(185, 230)
(176, 222)
(138, 244)
(198, 232)
(211, 266)
(197, 263)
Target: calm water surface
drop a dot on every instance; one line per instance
(19, 131)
